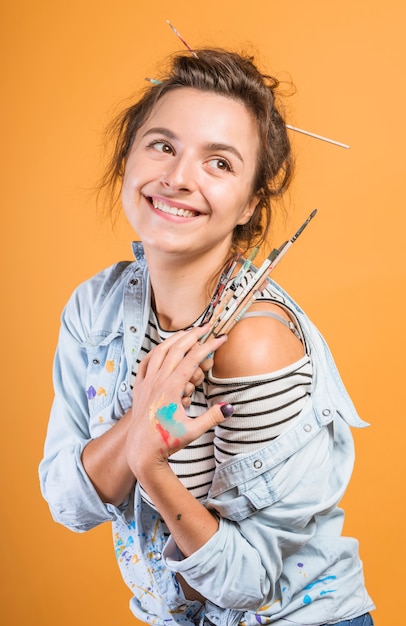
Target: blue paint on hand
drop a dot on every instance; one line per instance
(165, 416)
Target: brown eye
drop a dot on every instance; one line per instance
(221, 164)
(161, 146)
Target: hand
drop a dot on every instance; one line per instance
(159, 424)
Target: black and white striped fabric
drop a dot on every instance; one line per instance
(264, 406)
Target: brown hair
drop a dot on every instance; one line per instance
(227, 74)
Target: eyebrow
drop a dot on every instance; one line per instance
(211, 147)
(160, 130)
(224, 147)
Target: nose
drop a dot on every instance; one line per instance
(180, 175)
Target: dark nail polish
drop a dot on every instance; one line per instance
(226, 409)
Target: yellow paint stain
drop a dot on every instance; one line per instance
(145, 592)
(101, 391)
(110, 367)
(101, 419)
(266, 607)
(155, 530)
(135, 559)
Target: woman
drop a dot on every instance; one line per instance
(219, 462)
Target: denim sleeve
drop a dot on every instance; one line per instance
(72, 499)
(263, 520)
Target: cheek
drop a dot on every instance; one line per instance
(131, 185)
(126, 197)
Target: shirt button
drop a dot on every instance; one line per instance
(96, 362)
(257, 464)
(326, 412)
(182, 607)
(134, 281)
(157, 556)
(133, 329)
(123, 387)
(307, 428)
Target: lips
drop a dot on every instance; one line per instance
(172, 209)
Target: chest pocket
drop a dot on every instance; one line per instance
(104, 352)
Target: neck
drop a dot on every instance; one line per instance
(182, 289)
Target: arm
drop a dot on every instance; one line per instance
(105, 462)
(73, 499)
(160, 426)
(264, 521)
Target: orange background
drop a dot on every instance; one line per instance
(66, 68)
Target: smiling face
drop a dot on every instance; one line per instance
(189, 175)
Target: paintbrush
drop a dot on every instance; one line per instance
(253, 288)
(221, 304)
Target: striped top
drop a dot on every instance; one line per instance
(264, 406)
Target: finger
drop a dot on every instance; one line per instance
(210, 418)
(197, 377)
(186, 402)
(178, 348)
(207, 363)
(189, 389)
(198, 353)
(156, 357)
(179, 355)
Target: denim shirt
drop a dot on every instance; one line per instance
(278, 556)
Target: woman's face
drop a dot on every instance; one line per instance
(189, 175)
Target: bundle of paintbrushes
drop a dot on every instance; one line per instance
(229, 305)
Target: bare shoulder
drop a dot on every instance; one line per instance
(258, 345)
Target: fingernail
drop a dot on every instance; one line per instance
(226, 409)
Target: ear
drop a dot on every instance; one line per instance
(249, 210)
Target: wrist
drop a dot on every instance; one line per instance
(150, 471)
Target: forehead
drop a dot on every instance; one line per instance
(206, 112)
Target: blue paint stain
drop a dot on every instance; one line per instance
(165, 416)
(321, 580)
(307, 599)
(91, 392)
(323, 593)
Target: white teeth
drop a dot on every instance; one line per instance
(161, 206)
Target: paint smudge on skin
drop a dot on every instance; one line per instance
(163, 418)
